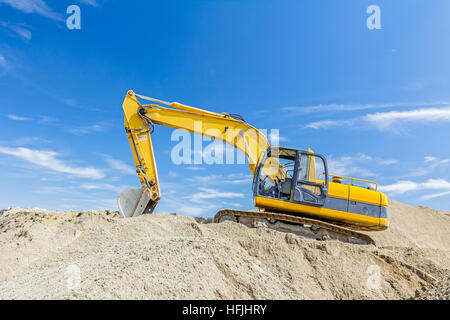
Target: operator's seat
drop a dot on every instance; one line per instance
(285, 188)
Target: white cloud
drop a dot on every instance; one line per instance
(388, 162)
(238, 178)
(48, 159)
(93, 3)
(274, 138)
(20, 30)
(231, 204)
(194, 168)
(195, 211)
(430, 163)
(402, 187)
(239, 181)
(47, 119)
(321, 108)
(104, 186)
(17, 118)
(34, 6)
(80, 203)
(209, 179)
(440, 163)
(54, 190)
(173, 202)
(202, 201)
(388, 120)
(434, 195)
(348, 165)
(356, 165)
(435, 162)
(30, 141)
(82, 130)
(325, 124)
(119, 165)
(438, 184)
(214, 179)
(79, 190)
(3, 62)
(207, 193)
(429, 159)
(70, 102)
(172, 174)
(415, 85)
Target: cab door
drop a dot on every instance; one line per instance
(308, 188)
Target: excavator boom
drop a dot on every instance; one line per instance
(139, 124)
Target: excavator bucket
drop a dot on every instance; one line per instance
(134, 202)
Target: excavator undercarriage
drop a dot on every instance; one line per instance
(301, 226)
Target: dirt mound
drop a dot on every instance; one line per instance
(420, 227)
(97, 254)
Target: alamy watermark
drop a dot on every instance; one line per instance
(221, 148)
(74, 20)
(373, 282)
(373, 22)
(73, 281)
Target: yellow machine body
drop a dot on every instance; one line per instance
(348, 193)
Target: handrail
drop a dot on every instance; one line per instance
(352, 180)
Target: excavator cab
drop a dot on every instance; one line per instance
(292, 175)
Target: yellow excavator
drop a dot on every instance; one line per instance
(293, 191)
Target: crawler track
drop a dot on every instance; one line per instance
(310, 228)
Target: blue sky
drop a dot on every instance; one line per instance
(376, 103)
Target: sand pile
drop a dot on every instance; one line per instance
(96, 254)
(415, 227)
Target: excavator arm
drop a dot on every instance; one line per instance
(139, 125)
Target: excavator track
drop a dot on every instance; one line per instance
(309, 228)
